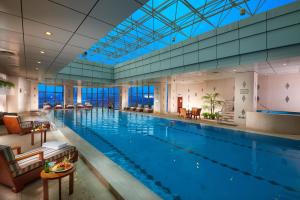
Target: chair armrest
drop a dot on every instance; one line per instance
(40, 153)
(17, 148)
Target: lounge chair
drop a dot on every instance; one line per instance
(17, 171)
(58, 107)
(79, 106)
(139, 108)
(126, 108)
(196, 112)
(132, 108)
(69, 106)
(47, 106)
(2, 114)
(15, 125)
(88, 105)
(148, 109)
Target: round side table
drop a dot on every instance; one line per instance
(52, 176)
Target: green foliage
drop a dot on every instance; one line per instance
(6, 84)
(211, 102)
(206, 115)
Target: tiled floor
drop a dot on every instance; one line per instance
(86, 185)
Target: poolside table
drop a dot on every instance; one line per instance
(54, 176)
(42, 131)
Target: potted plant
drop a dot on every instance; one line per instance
(211, 102)
(6, 84)
(205, 115)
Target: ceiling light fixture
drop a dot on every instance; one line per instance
(48, 33)
(39, 62)
(36, 68)
(42, 52)
(234, 70)
(284, 64)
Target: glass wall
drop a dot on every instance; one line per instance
(50, 94)
(101, 97)
(141, 95)
(75, 95)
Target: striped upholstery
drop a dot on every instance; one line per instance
(10, 157)
(33, 162)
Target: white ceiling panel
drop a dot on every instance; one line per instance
(81, 41)
(11, 6)
(10, 22)
(72, 51)
(43, 43)
(83, 6)
(37, 29)
(11, 36)
(32, 63)
(37, 50)
(52, 14)
(39, 57)
(94, 28)
(16, 48)
(114, 11)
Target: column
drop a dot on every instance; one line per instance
(157, 94)
(245, 96)
(124, 97)
(79, 94)
(161, 100)
(34, 96)
(68, 94)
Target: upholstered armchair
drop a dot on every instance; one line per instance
(18, 170)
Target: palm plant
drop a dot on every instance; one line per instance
(211, 101)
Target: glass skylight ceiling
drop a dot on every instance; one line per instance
(161, 23)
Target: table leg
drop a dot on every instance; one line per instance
(45, 136)
(59, 191)
(45, 189)
(32, 138)
(71, 183)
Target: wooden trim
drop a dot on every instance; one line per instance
(17, 148)
(40, 153)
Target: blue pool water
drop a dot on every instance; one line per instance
(276, 112)
(180, 160)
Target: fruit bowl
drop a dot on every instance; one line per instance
(62, 167)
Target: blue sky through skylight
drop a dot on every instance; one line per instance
(161, 23)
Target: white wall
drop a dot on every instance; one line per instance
(192, 93)
(23, 97)
(245, 96)
(279, 92)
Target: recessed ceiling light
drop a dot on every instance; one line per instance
(48, 33)
(39, 62)
(42, 52)
(36, 68)
(284, 64)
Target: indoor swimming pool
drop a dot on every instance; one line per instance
(179, 160)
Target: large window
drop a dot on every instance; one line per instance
(141, 95)
(101, 97)
(50, 94)
(75, 95)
